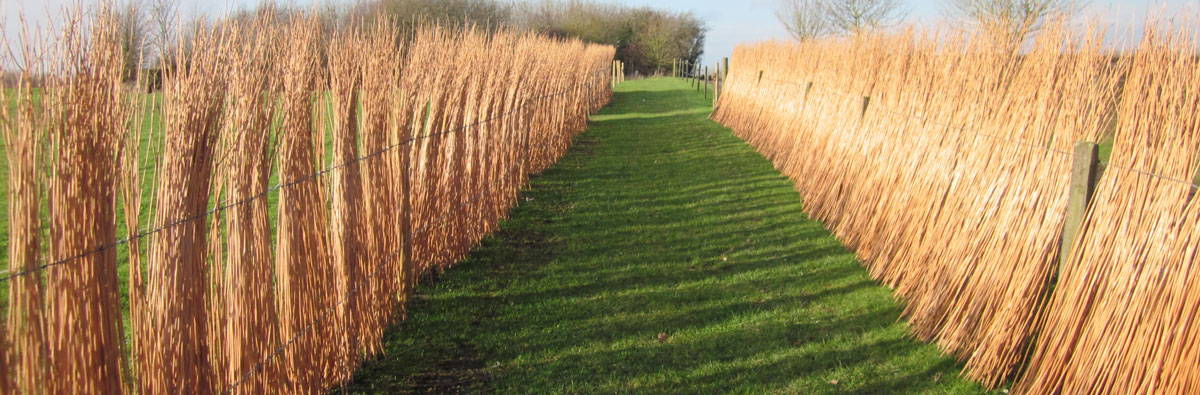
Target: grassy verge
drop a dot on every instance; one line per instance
(661, 255)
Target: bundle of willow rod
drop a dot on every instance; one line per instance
(300, 178)
(942, 160)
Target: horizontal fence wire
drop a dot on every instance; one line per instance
(963, 129)
(263, 194)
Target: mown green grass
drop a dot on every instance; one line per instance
(662, 255)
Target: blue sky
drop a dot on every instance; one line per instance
(730, 21)
(735, 21)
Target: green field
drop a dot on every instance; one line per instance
(662, 255)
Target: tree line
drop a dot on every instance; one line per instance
(648, 40)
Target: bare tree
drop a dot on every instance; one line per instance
(162, 17)
(131, 31)
(1013, 19)
(851, 16)
(804, 19)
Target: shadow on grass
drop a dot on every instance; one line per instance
(661, 255)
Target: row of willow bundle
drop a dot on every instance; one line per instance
(300, 181)
(950, 181)
(1123, 315)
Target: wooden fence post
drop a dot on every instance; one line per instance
(1085, 172)
(705, 82)
(717, 85)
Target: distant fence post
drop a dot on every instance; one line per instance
(705, 82)
(1085, 172)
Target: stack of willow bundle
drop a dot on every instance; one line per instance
(950, 182)
(944, 161)
(272, 207)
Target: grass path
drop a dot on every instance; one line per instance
(662, 255)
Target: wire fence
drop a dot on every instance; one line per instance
(525, 102)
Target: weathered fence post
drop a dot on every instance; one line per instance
(612, 73)
(705, 82)
(696, 77)
(717, 85)
(1085, 172)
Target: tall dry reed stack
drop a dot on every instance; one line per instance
(347, 205)
(426, 48)
(1123, 317)
(177, 269)
(943, 161)
(380, 75)
(26, 349)
(302, 268)
(247, 325)
(431, 135)
(88, 108)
